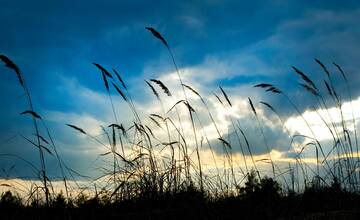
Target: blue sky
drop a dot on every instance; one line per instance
(235, 44)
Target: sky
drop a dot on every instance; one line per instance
(232, 44)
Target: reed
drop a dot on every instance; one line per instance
(154, 156)
(35, 117)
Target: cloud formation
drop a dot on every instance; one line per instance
(251, 43)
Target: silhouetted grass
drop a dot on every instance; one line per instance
(141, 182)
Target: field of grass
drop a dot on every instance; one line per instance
(155, 169)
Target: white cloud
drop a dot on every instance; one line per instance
(332, 116)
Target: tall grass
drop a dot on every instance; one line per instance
(155, 156)
(35, 117)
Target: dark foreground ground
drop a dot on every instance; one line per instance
(324, 203)
(163, 214)
(262, 199)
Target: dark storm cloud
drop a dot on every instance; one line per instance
(261, 139)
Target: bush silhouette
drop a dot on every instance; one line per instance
(8, 200)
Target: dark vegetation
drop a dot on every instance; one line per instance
(140, 183)
(257, 199)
